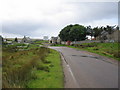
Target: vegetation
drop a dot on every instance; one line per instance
(78, 32)
(49, 73)
(0, 65)
(1, 40)
(42, 41)
(97, 31)
(22, 67)
(16, 40)
(73, 32)
(106, 49)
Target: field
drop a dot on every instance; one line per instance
(31, 67)
(41, 42)
(106, 49)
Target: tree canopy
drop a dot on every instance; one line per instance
(73, 33)
(78, 32)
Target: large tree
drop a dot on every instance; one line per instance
(90, 31)
(73, 33)
(109, 29)
(97, 31)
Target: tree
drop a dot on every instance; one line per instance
(97, 31)
(16, 40)
(109, 29)
(1, 40)
(117, 28)
(64, 33)
(73, 33)
(90, 31)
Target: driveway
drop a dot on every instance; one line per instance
(85, 70)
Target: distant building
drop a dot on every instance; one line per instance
(114, 37)
(9, 42)
(55, 40)
(106, 37)
(88, 37)
(19, 41)
(26, 40)
(58, 40)
(45, 38)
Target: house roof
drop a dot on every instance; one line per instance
(26, 38)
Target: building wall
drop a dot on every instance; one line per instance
(115, 36)
(80, 42)
(54, 40)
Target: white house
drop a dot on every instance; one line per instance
(45, 38)
(55, 40)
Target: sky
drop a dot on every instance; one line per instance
(38, 18)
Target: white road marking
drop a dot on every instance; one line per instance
(72, 75)
(70, 72)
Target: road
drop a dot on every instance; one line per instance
(84, 70)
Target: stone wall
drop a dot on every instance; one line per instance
(115, 36)
(80, 42)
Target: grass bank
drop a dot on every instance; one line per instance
(31, 67)
(105, 49)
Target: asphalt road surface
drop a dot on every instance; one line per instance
(83, 70)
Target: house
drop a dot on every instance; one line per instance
(55, 40)
(26, 40)
(58, 40)
(45, 38)
(106, 37)
(9, 42)
(114, 37)
(19, 41)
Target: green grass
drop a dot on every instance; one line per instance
(31, 67)
(105, 49)
(18, 66)
(52, 78)
(42, 41)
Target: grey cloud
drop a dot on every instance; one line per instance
(83, 13)
(23, 28)
(92, 11)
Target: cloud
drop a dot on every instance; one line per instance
(25, 28)
(37, 18)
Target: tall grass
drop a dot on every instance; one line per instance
(18, 65)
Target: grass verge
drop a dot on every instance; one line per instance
(49, 74)
(31, 67)
(110, 50)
